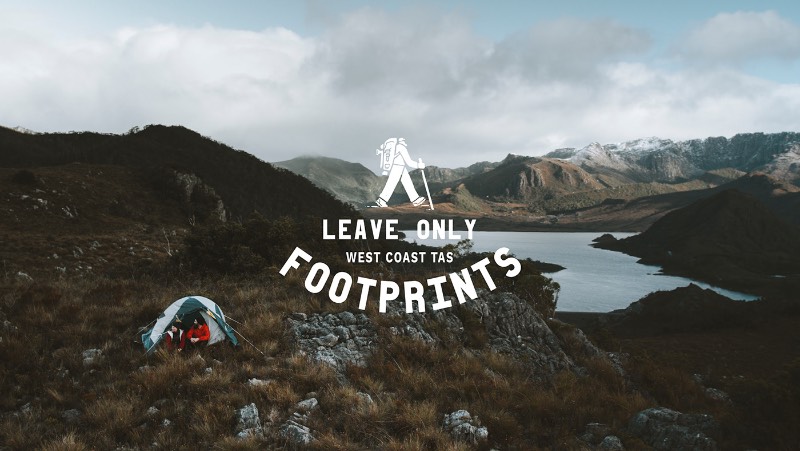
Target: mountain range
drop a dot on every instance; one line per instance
(586, 181)
(664, 160)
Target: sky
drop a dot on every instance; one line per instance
(461, 81)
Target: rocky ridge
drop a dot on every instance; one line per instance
(664, 160)
(501, 321)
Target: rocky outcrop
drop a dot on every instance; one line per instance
(666, 429)
(337, 340)
(507, 324)
(530, 179)
(500, 321)
(464, 427)
(201, 197)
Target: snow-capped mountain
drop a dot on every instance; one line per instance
(664, 160)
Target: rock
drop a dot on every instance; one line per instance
(71, 415)
(254, 382)
(328, 340)
(666, 429)
(365, 397)
(513, 327)
(248, 423)
(347, 318)
(247, 433)
(299, 418)
(8, 327)
(595, 432)
(456, 418)
(307, 405)
(91, 356)
(463, 427)
(711, 393)
(296, 434)
(193, 185)
(509, 325)
(717, 395)
(336, 340)
(611, 442)
(26, 409)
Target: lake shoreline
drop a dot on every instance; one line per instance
(593, 280)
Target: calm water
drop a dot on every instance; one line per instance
(596, 280)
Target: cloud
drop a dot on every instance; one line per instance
(370, 51)
(567, 48)
(741, 36)
(456, 96)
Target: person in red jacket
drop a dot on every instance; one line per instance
(175, 337)
(198, 335)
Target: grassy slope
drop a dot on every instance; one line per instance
(48, 322)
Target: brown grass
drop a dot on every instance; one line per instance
(413, 385)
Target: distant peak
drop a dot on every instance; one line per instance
(24, 130)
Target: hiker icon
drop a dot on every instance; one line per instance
(394, 162)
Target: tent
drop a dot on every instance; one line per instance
(187, 309)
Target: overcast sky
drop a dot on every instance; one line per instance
(461, 81)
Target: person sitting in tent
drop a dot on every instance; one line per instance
(186, 308)
(175, 337)
(198, 335)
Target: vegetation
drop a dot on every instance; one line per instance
(49, 324)
(244, 182)
(93, 252)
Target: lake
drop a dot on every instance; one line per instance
(595, 280)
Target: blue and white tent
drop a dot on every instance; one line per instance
(186, 308)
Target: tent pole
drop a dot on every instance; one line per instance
(245, 339)
(237, 322)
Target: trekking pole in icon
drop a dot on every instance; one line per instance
(427, 190)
